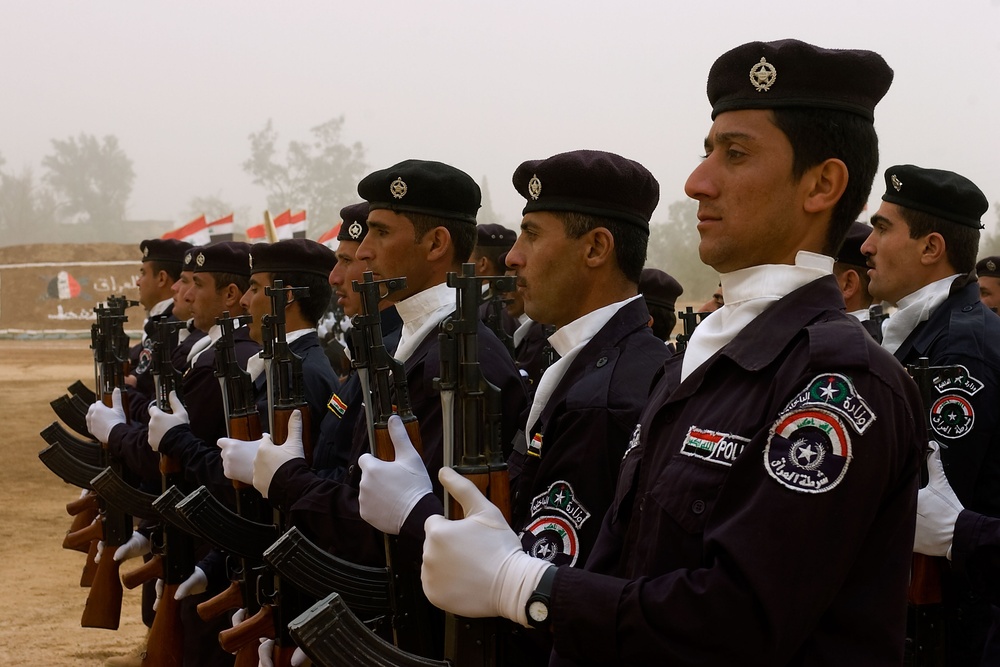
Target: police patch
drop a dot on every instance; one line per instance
(719, 448)
(145, 358)
(634, 442)
(553, 539)
(560, 498)
(535, 446)
(836, 393)
(808, 451)
(956, 377)
(952, 416)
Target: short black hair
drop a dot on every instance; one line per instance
(317, 302)
(222, 280)
(820, 134)
(463, 234)
(493, 253)
(630, 240)
(863, 278)
(961, 242)
(173, 269)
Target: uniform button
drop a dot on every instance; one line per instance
(602, 361)
(350, 470)
(967, 309)
(698, 506)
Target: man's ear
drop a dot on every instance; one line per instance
(824, 185)
(437, 242)
(933, 250)
(163, 279)
(600, 246)
(233, 297)
(849, 283)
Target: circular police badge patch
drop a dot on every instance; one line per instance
(952, 416)
(808, 451)
(145, 360)
(553, 539)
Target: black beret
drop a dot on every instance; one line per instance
(790, 73)
(421, 186)
(291, 256)
(659, 288)
(940, 193)
(850, 251)
(353, 222)
(495, 236)
(225, 257)
(164, 250)
(590, 182)
(988, 266)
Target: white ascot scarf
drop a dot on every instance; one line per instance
(421, 313)
(523, 324)
(748, 293)
(202, 344)
(913, 309)
(568, 341)
(255, 365)
(158, 309)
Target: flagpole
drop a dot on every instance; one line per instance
(272, 233)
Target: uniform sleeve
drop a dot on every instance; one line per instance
(202, 461)
(774, 560)
(128, 443)
(976, 553)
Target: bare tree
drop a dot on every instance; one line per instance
(673, 247)
(91, 179)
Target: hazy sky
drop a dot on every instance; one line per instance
(480, 85)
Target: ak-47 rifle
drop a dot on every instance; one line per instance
(383, 379)
(103, 608)
(175, 548)
(925, 631)
(691, 321)
(242, 422)
(475, 449)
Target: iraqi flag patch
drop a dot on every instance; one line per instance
(337, 406)
(808, 450)
(552, 538)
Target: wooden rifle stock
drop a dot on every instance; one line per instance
(104, 604)
(148, 571)
(84, 511)
(249, 631)
(83, 537)
(279, 430)
(83, 504)
(165, 643)
(90, 567)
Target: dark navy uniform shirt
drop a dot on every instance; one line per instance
(765, 507)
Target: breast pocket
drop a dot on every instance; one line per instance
(687, 491)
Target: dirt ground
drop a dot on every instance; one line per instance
(39, 581)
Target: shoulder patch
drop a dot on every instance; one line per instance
(712, 446)
(808, 450)
(835, 393)
(952, 416)
(553, 539)
(956, 378)
(560, 498)
(145, 358)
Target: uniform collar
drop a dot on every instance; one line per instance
(579, 332)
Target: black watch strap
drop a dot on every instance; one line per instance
(538, 607)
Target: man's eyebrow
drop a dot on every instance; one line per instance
(880, 219)
(726, 137)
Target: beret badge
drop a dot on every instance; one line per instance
(250, 260)
(763, 75)
(398, 188)
(187, 258)
(534, 187)
(200, 259)
(991, 265)
(896, 183)
(355, 229)
(145, 251)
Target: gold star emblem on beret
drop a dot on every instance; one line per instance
(398, 188)
(534, 187)
(200, 259)
(763, 75)
(354, 231)
(896, 183)
(991, 265)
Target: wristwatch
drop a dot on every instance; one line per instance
(537, 606)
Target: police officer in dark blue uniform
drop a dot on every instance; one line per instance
(764, 509)
(851, 271)
(923, 255)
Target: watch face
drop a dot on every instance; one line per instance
(538, 611)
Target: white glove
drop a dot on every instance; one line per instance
(390, 489)
(475, 567)
(267, 648)
(159, 593)
(270, 457)
(239, 616)
(160, 422)
(196, 583)
(937, 510)
(137, 545)
(101, 419)
(238, 456)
